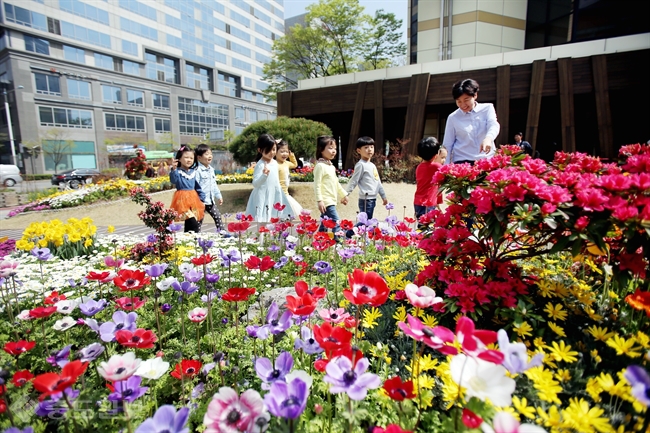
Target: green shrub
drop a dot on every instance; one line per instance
(300, 133)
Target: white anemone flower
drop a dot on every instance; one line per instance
(166, 283)
(482, 379)
(153, 368)
(119, 367)
(66, 306)
(64, 324)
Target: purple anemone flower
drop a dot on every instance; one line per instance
(175, 227)
(91, 352)
(282, 261)
(212, 278)
(287, 400)
(290, 245)
(92, 307)
(392, 220)
(230, 257)
(273, 248)
(92, 324)
(152, 238)
(346, 254)
(166, 420)
(322, 267)
(60, 358)
(251, 330)
(273, 324)
(268, 374)
(17, 430)
(308, 344)
(516, 355)
(185, 287)
(205, 244)
(156, 270)
(128, 390)
(165, 308)
(193, 276)
(121, 320)
(210, 296)
(640, 382)
(42, 254)
(297, 258)
(354, 381)
(56, 406)
(390, 206)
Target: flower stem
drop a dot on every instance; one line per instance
(183, 317)
(74, 421)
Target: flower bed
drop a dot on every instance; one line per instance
(524, 307)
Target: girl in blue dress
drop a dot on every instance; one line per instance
(267, 191)
(188, 198)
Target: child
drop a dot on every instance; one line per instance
(326, 183)
(284, 166)
(208, 182)
(266, 184)
(426, 193)
(367, 177)
(188, 198)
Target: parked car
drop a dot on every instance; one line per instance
(75, 178)
(9, 175)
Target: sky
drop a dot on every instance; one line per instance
(398, 7)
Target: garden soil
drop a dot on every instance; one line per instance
(124, 212)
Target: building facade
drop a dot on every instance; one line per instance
(102, 76)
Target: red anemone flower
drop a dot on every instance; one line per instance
(97, 276)
(328, 223)
(470, 419)
(140, 338)
(393, 428)
(238, 227)
(398, 390)
(302, 268)
(41, 312)
(21, 377)
(202, 260)
(302, 287)
(54, 298)
(279, 206)
(263, 265)
(51, 383)
(639, 300)
(187, 368)
(246, 218)
(347, 225)
(366, 288)
(330, 337)
(130, 304)
(128, 279)
(238, 294)
(19, 347)
(301, 305)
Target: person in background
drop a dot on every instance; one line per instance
(208, 182)
(472, 128)
(188, 198)
(524, 145)
(426, 193)
(326, 183)
(367, 178)
(287, 162)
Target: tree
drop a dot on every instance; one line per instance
(338, 38)
(56, 146)
(32, 149)
(301, 134)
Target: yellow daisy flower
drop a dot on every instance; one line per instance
(599, 333)
(429, 320)
(522, 407)
(557, 329)
(585, 419)
(562, 352)
(370, 317)
(624, 346)
(523, 329)
(555, 312)
(400, 314)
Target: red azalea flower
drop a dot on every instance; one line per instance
(366, 288)
(317, 293)
(19, 347)
(470, 419)
(238, 227)
(97, 276)
(54, 298)
(3, 405)
(263, 265)
(130, 304)
(238, 294)
(140, 338)
(51, 383)
(398, 390)
(41, 312)
(301, 305)
(187, 368)
(128, 279)
(279, 207)
(347, 225)
(330, 337)
(21, 377)
(202, 260)
(393, 428)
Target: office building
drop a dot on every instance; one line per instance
(105, 75)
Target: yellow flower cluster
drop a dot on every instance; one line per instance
(55, 234)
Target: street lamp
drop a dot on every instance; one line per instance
(9, 127)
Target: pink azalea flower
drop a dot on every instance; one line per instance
(503, 422)
(230, 413)
(421, 297)
(334, 315)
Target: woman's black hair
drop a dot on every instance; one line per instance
(265, 143)
(321, 144)
(201, 149)
(184, 148)
(464, 87)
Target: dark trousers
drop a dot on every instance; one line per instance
(191, 225)
(213, 210)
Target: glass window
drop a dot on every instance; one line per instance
(25, 17)
(240, 64)
(47, 84)
(163, 125)
(161, 68)
(37, 45)
(252, 115)
(228, 85)
(138, 29)
(84, 10)
(83, 34)
(74, 54)
(160, 102)
(139, 8)
(197, 77)
(122, 122)
(197, 117)
(67, 118)
(78, 89)
(135, 98)
(240, 113)
(111, 94)
(129, 47)
(132, 68)
(104, 61)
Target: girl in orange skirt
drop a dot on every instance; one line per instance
(188, 198)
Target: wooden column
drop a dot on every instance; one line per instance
(416, 111)
(379, 115)
(356, 124)
(503, 104)
(565, 75)
(603, 110)
(535, 101)
(284, 103)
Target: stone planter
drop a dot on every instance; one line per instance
(10, 199)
